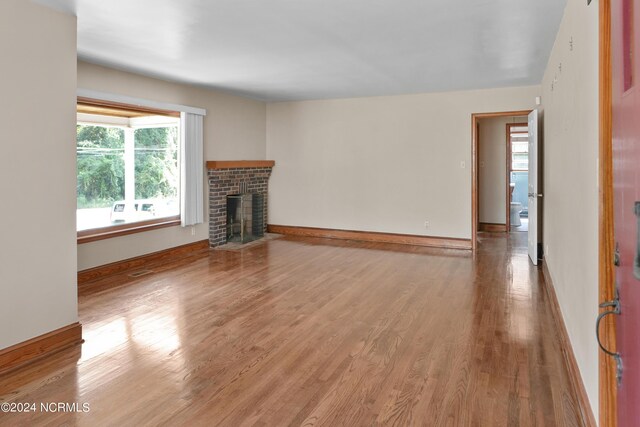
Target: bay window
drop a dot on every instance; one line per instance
(128, 169)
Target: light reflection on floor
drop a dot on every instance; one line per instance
(524, 225)
(521, 296)
(253, 336)
(152, 339)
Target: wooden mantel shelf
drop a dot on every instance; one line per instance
(228, 164)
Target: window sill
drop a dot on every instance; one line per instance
(86, 236)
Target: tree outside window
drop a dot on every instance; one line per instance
(126, 173)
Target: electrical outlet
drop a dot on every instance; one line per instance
(546, 250)
(426, 225)
(463, 164)
(481, 164)
(193, 230)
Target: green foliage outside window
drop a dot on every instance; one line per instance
(101, 169)
(100, 163)
(156, 163)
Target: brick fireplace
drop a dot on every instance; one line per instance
(233, 177)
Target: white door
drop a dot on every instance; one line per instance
(533, 187)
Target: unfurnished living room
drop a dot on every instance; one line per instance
(335, 213)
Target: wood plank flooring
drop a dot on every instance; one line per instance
(303, 331)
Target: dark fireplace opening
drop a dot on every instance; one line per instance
(245, 217)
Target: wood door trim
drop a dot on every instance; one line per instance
(371, 236)
(89, 275)
(508, 178)
(29, 351)
(608, 409)
(474, 166)
(575, 379)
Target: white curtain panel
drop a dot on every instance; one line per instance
(191, 169)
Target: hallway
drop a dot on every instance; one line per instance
(303, 331)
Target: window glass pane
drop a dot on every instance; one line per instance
(156, 171)
(519, 148)
(100, 163)
(520, 161)
(127, 169)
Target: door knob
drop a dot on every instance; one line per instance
(534, 195)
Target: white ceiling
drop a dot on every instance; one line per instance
(311, 49)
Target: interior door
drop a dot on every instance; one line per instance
(533, 186)
(625, 48)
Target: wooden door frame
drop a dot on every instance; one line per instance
(475, 117)
(606, 277)
(508, 163)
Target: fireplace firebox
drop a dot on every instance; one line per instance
(245, 217)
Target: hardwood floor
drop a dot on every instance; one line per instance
(304, 331)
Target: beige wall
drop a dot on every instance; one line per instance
(492, 168)
(570, 181)
(234, 129)
(380, 164)
(37, 171)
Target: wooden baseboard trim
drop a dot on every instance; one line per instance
(29, 351)
(492, 228)
(567, 351)
(92, 274)
(370, 236)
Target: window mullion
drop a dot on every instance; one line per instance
(129, 170)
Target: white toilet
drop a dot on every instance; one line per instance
(516, 208)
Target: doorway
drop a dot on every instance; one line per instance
(517, 206)
(495, 165)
